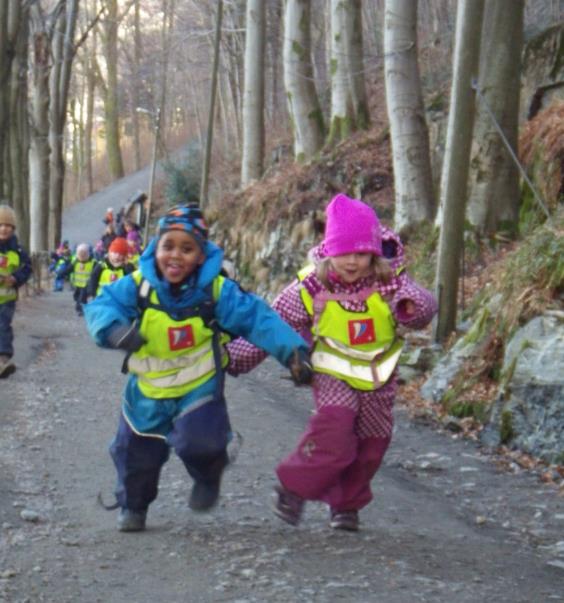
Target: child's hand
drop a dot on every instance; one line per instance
(409, 308)
(300, 367)
(406, 308)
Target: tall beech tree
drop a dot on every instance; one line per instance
(413, 179)
(303, 103)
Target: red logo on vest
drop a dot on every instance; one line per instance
(3, 261)
(113, 277)
(180, 338)
(361, 331)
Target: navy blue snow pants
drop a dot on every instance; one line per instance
(6, 333)
(199, 438)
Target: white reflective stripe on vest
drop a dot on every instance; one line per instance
(377, 373)
(190, 368)
(7, 291)
(367, 356)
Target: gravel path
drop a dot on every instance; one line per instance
(445, 525)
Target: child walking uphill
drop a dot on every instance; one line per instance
(80, 270)
(171, 317)
(351, 301)
(113, 267)
(15, 269)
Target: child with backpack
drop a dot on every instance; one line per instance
(172, 317)
(352, 300)
(15, 270)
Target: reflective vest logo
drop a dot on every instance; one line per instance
(3, 261)
(180, 338)
(113, 277)
(361, 331)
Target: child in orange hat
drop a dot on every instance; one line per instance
(113, 267)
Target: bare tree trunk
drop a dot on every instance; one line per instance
(457, 155)
(89, 121)
(63, 53)
(410, 138)
(303, 103)
(494, 178)
(211, 113)
(222, 89)
(253, 96)
(39, 149)
(166, 33)
(232, 58)
(111, 106)
(356, 66)
(10, 18)
(78, 138)
(137, 54)
(19, 132)
(196, 105)
(5, 69)
(349, 108)
(273, 42)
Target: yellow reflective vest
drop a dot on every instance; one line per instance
(178, 356)
(9, 263)
(109, 275)
(81, 272)
(360, 348)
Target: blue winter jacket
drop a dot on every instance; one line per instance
(237, 312)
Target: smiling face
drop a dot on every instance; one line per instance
(116, 259)
(178, 255)
(6, 231)
(352, 266)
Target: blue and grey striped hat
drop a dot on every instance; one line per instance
(188, 218)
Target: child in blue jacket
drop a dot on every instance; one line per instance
(172, 316)
(15, 270)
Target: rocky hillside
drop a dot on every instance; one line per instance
(268, 228)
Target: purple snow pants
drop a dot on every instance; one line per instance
(331, 463)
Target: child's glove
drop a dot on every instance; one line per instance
(126, 338)
(300, 367)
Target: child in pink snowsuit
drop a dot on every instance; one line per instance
(351, 301)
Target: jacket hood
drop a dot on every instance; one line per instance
(193, 290)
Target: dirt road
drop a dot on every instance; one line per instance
(445, 524)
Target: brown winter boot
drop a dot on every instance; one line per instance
(7, 367)
(345, 520)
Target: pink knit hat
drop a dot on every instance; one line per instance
(352, 227)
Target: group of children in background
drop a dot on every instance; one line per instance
(88, 270)
(183, 325)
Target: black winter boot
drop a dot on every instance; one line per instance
(131, 521)
(204, 495)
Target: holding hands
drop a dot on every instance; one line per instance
(300, 367)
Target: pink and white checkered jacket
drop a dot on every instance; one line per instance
(374, 408)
